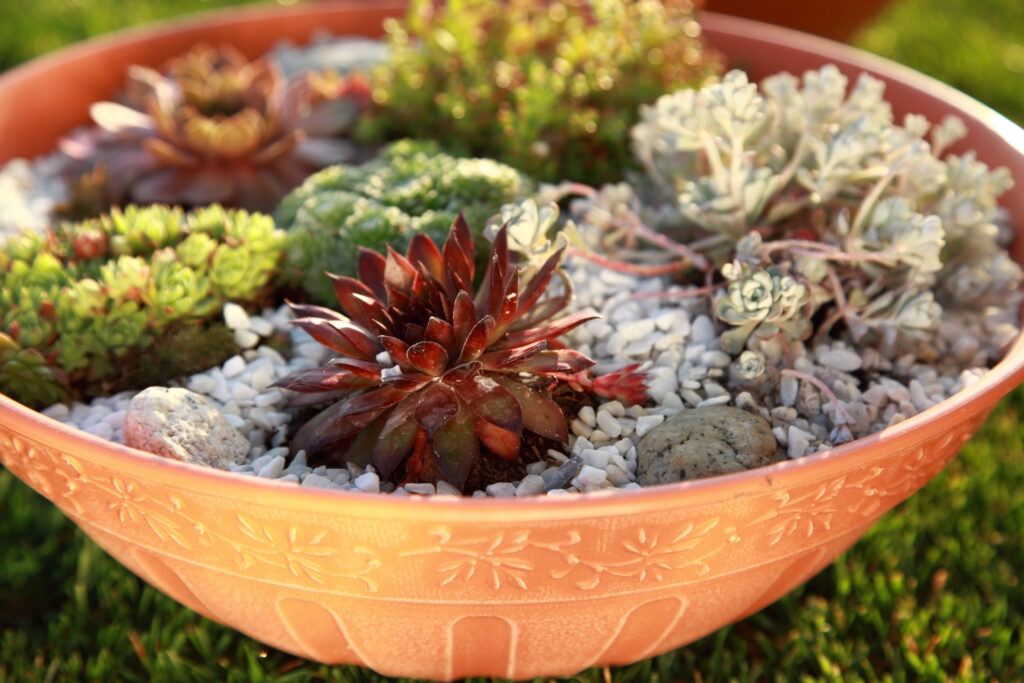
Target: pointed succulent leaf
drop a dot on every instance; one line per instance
(462, 373)
(488, 299)
(396, 437)
(476, 341)
(424, 254)
(363, 368)
(429, 357)
(552, 330)
(545, 310)
(559, 360)
(458, 257)
(329, 333)
(398, 273)
(398, 350)
(541, 415)
(463, 317)
(372, 400)
(360, 451)
(456, 446)
(370, 267)
(437, 404)
(330, 429)
(442, 333)
(356, 299)
(538, 284)
(314, 311)
(513, 357)
(492, 402)
(330, 378)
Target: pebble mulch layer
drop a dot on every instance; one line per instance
(645, 320)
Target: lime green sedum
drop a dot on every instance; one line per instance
(79, 304)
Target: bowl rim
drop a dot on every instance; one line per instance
(856, 455)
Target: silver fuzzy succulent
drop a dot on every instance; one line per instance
(815, 183)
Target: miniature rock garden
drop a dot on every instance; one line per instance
(568, 253)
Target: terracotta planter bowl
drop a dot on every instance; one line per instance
(444, 587)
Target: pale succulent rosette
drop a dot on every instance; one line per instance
(215, 127)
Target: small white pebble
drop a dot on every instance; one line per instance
(580, 428)
(609, 425)
(315, 481)
(261, 326)
(595, 458)
(446, 489)
(233, 367)
(720, 400)
(421, 488)
(798, 443)
(502, 489)
(623, 446)
(789, 389)
(558, 456)
(645, 423)
(58, 411)
(590, 476)
(617, 476)
(246, 339)
(588, 416)
(272, 469)
(235, 317)
(368, 482)
(844, 360)
(536, 467)
(531, 485)
(104, 430)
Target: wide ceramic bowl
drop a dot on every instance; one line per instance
(445, 587)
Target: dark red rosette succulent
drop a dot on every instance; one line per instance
(428, 375)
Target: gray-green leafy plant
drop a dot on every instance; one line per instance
(410, 188)
(815, 206)
(77, 304)
(551, 88)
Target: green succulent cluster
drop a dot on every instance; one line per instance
(551, 88)
(79, 300)
(411, 187)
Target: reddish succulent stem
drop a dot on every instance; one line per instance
(685, 294)
(822, 387)
(630, 268)
(641, 229)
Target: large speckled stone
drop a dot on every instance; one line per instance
(704, 442)
(177, 423)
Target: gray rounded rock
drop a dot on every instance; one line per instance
(704, 442)
(179, 424)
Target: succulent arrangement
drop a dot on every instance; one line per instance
(792, 217)
(410, 188)
(82, 300)
(427, 370)
(823, 216)
(211, 126)
(548, 87)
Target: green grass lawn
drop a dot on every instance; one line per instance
(931, 593)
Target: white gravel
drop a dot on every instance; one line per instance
(29, 192)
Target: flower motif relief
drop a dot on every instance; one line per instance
(803, 513)
(509, 558)
(302, 553)
(649, 556)
(499, 559)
